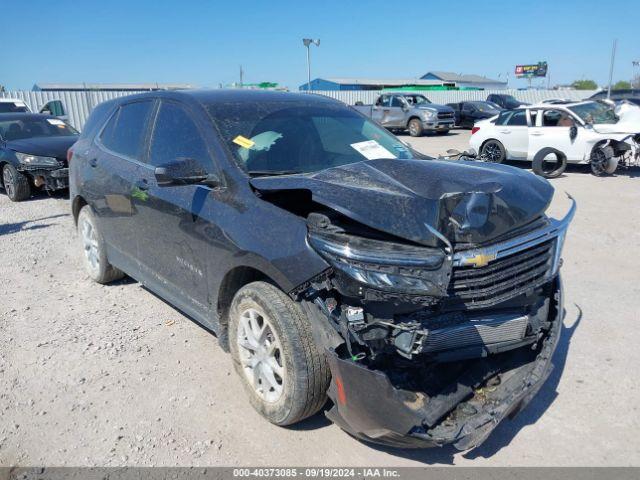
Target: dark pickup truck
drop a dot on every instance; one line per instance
(409, 111)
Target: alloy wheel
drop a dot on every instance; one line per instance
(492, 152)
(90, 244)
(8, 180)
(260, 354)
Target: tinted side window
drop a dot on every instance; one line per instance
(384, 101)
(96, 119)
(503, 117)
(396, 102)
(124, 134)
(175, 135)
(519, 118)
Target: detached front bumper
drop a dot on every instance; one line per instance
(52, 178)
(370, 407)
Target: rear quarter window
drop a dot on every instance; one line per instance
(126, 129)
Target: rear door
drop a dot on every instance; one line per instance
(174, 249)
(115, 164)
(380, 108)
(513, 132)
(552, 128)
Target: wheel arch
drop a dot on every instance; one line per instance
(76, 205)
(412, 117)
(234, 280)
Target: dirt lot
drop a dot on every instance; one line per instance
(111, 375)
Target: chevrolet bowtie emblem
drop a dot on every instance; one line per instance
(480, 260)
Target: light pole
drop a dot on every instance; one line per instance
(635, 76)
(307, 43)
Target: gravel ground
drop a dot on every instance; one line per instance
(111, 375)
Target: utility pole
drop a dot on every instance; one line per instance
(613, 57)
(307, 43)
(241, 75)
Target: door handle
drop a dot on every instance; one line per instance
(505, 131)
(93, 162)
(142, 184)
(537, 134)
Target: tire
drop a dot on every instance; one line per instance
(442, 132)
(540, 166)
(297, 374)
(415, 127)
(16, 184)
(493, 151)
(94, 253)
(602, 161)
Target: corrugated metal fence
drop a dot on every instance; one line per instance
(78, 105)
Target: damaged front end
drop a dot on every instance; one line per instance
(434, 345)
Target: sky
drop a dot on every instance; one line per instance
(204, 43)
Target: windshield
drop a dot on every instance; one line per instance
(486, 107)
(416, 99)
(13, 107)
(595, 112)
(270, 138)
(17, 129)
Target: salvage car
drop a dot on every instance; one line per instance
(13, 105)
(33, 153)
(581, 132)
(412, 112)
(467, 113)
(422, 296)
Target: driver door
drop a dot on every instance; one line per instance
(175, 252)
(553, 129)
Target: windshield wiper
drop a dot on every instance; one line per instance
(268, 173)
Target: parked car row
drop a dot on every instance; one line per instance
(328, 257)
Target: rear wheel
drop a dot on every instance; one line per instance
(493, 151)
(15, 184)
(273, 351)
(415, 127)
(94, 252)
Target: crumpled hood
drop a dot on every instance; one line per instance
(44, 146)
(436, 107)
(629, 122)
(470, 202)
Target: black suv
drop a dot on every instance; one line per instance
(328, 257)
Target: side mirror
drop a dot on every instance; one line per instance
(573, 133)
(405, 107)
(184, 171)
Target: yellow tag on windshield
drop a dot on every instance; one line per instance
(243, 142)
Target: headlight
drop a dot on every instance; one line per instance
(383, 265)
(28, 159)
(429, 114)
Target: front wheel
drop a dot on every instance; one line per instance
(16, 184)
(273, 351)
(415, 127)
(493, 151)
(602, 161)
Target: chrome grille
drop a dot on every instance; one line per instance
(503, 278)
(445, 115)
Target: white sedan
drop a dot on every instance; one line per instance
(582, 132)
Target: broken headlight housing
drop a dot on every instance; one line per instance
(36, 160)
(384, 265)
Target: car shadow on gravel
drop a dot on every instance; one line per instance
(9, 228)
(506, 431)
